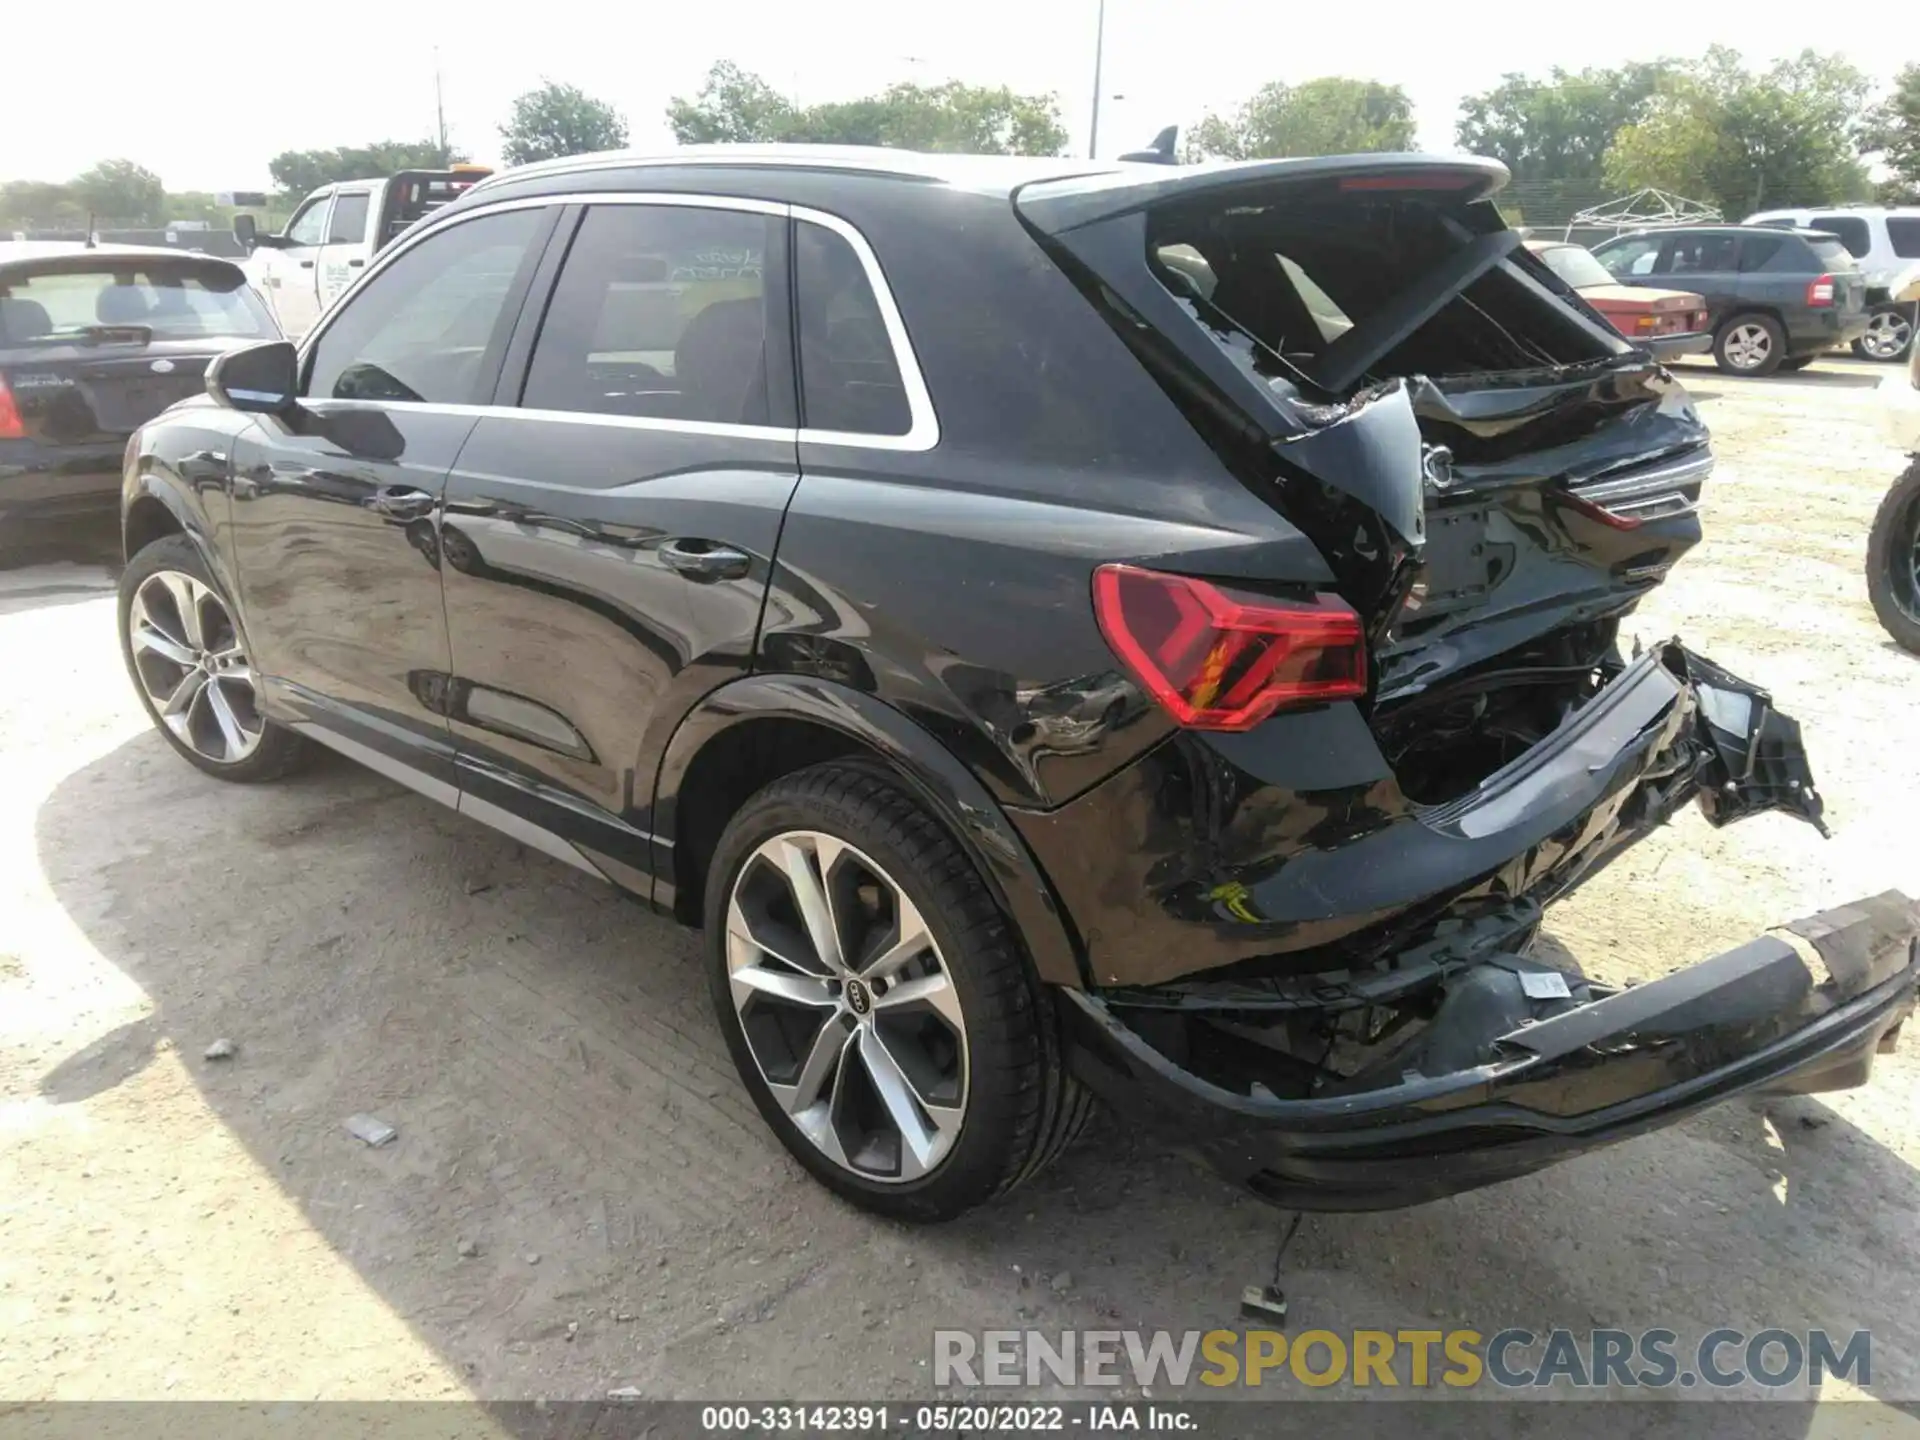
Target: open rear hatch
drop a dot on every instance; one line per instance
(1494, 475)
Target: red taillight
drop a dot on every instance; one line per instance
(1820, 291)
(10, 426)
(1217, 662)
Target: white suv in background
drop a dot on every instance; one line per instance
(1886, 244)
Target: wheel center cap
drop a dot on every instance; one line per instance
(858, 1000)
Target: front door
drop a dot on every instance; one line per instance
(345, 254)
(291, 269)
(334, 539)
(608, 539)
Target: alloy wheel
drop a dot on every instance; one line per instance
(1887, 335)
(1903, 562)
(1748, 347)
(189, 660)
(847, 1006)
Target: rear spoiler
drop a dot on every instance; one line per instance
(1055, 206)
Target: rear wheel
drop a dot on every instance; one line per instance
(1750, 344)
(1893, 560)
(877, 1006)
(1889, 334)
(189, 665)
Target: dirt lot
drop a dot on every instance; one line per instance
(174, 1227)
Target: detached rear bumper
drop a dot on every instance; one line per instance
(1545, 1079)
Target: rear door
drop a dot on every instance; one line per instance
(344, 255)
(609, 529)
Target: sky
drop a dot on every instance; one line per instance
(206, 96)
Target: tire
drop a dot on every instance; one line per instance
(154, 591)
(1890, 340)
(1750, 344)
(1017, 1106)
(1893, 560)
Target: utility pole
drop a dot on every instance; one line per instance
(440, 105)
(1099, 48)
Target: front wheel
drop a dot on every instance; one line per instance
(189, 665)
(1893, 560)
(877, 1006)
(1750, 344)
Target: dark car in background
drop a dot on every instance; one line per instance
(94, 342)
(1059, 628)
(1775, 298)
(1665, 323)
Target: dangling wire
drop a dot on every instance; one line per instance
(1286, 1240)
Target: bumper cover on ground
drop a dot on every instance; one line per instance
(1759, 1016)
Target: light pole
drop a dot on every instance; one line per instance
(1099, 47)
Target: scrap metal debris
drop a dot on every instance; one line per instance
(366, 1128)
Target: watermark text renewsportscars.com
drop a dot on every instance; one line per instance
(1510, 1359)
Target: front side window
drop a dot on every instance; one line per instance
(349, 223)
(1630, 257)
(849, 376)
(661, 312)
(423, 328)
(1851, 229)
(309, 223)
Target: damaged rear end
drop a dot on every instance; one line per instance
(1377, 784)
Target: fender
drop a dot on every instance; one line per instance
(193, 485)
(941, 781)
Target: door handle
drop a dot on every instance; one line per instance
(306, 264)
(705, 560)
(356, 264)
(403, 502)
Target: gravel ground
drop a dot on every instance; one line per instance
(580, 1197)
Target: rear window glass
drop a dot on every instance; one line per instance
(174, 301)
(1575, 265)
(1904, 232)
(1312, 287)
(1851, 229)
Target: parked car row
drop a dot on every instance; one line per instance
(1885, 244)
(1060, 629)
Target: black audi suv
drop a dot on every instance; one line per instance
(1061, 629)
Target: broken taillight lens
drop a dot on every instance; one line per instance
(1820, 291)
(10, 426)
(1216, 661)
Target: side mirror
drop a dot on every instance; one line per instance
(246, 230)
(261, 379)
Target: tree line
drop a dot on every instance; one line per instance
(1799, 131)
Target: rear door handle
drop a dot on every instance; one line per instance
(403, 502)
(705, 559)
(306, 264)
(356, 264)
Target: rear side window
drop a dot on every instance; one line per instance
(423, 328)
(1757, 250)
(660, 311)
(849, 376)
(1851, 229)
(1832, 254)
(175, 300)
(349, 223)
(1904, 233)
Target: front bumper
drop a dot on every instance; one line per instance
(1543, 1079)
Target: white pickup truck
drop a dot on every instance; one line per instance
(333, 234)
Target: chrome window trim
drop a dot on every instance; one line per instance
(923, 430)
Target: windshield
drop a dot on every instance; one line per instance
(1575, 265)
(173, 299)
